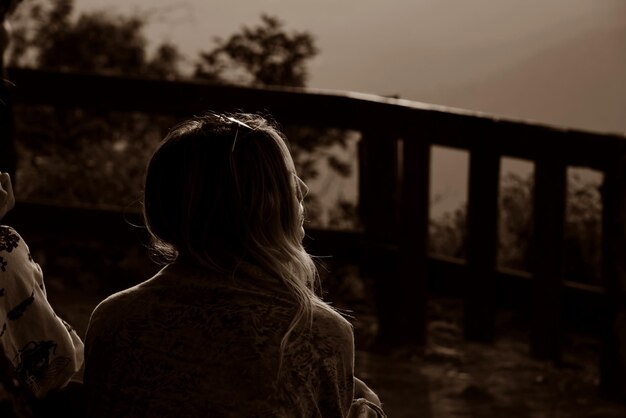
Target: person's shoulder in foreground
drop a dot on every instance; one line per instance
(44, 350)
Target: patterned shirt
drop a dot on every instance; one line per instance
(192, 343)
(44, 350)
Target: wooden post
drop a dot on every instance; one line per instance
(377, 209)
(414, 221)
(378, 185)
(547, 257)
(613, 358)
(482, 239)
(7, 145)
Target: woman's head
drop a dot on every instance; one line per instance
(222, 188)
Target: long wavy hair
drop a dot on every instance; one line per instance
(222, 189)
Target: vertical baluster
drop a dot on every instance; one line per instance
(482, 238)
(377, 209)
(378, 184)
(547, 256)
(413, 236)
(613, 359)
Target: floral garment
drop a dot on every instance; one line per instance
(191, 343)
(44, 350)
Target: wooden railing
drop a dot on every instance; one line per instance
(394, 170)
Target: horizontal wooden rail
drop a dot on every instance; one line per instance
(49, 224)
(453, 127)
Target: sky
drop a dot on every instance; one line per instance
(560, 62)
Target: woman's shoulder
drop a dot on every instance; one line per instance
(121, 303)
(113, 302)
(328, 322)
(110, 314)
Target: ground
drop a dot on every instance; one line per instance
(453, 378)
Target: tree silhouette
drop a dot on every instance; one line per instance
(47, 37)
(80, 156)
(261, 55)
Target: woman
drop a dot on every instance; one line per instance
(231, 326)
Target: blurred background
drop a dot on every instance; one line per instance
(556, 68)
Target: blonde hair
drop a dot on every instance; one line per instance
(222, 188)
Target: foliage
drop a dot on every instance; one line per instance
(46, 36)
(583, 227)
(89, 158)
(516, 221)
(324, 151)
(262, 55)
(447, 234)
(78, 157)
